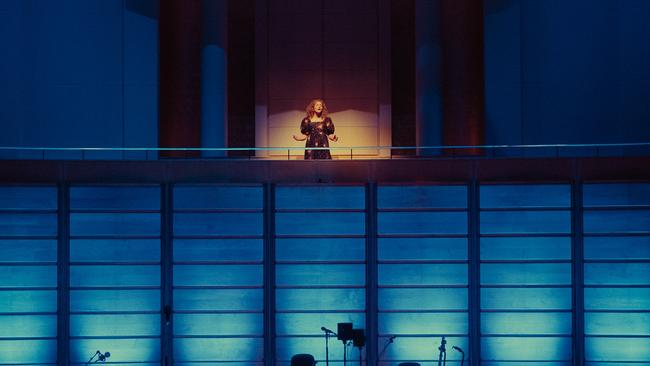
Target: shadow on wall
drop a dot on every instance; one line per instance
(567, 72)
(147, 8)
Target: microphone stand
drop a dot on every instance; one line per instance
(462, 361)
(442, 356)
(388, 342)
(102, 357)
(327, 348)
(327, 344)
(90, 360)
(361, 358)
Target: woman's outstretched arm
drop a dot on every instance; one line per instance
(305, 126)
(329, 130)
(305, 129)
(329, 126)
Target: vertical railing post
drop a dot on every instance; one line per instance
(63, 274)
(269, 274)
(577, 270)
(166, 272)
(474, 280)
(372, 293)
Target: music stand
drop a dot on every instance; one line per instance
(345, 334)
(359, 341)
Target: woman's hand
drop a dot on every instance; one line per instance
(333, 138)
(299, 138)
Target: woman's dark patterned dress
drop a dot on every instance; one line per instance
(317, 133)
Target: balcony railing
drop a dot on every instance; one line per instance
(338, 152)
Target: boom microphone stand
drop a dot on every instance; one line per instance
(327, 345)
(100, 357)
(360, 357)
(442, 356)
(388, 342)
(462, 361)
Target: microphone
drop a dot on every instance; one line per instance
(392, 338)
(458, 349)
(326, 330)
(103, 356)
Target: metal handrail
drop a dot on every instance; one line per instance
(354, 150)
(438, 147)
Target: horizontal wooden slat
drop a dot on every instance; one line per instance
(416, 196)
(217, 197)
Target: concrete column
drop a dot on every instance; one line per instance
(261, 76)
(214, 72)
(463, 95)
(383, 80)
(180, 76)
(428, 79)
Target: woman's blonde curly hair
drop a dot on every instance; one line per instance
(310, 108)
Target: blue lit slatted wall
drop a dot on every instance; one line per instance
(115, 273)
(28, 275)
(218, 275)
(320, 267)
(617, 273)
(526, 277)
(423, 272)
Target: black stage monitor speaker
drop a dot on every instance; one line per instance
(344, 331)
(358, 338)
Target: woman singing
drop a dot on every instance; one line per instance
(317, 128)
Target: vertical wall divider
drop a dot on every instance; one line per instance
(577, 271)
(269, 274)
(166, 273)
(474, 271)
(63, 274)
(372, 295)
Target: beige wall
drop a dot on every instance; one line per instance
(330, 49)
